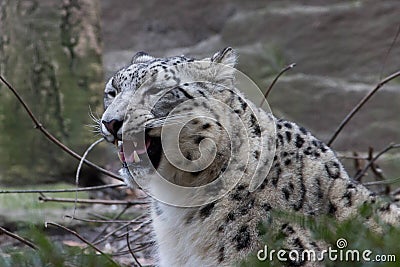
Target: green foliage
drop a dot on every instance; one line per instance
(380, 239)
(52, 254)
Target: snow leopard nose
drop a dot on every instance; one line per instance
(113, 126)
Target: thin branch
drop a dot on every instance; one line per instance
(357, 163)
(395, 192)
(138, 248)
(137, 236)
(83, 240)
(374, 168)
(90, 188)
(137, 228)
(130, 250)
(115, 218)
(17, 237)
(288, 67)
(135, 241)
(383, 182)
(351, 157)
(142, 225)
(389, 50)
(53, 139)
(386, 149)
(118, 229)
(83, 159)
(143, 245)
(78, 170)
(91, 201)
(99, 216)
(98, 221)
(360, 104)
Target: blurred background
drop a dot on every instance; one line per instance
(59, 54)
(339, 47)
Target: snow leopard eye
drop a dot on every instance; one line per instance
(112, 94)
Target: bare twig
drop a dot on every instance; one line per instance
(99, 216)
(357, 163)
(372, 160)
(90, 188)
(98, 221)
(137, 228)
(91, 201)
(115, 218)
(389, 50)
(51, 137)
(130, 250)
(143, 245)
(378, 173)
(78, 170)
(83, 240)
(17, 237)
(288, 67)
(395, 192)
(383, 182)
(137, 237)
(116, 230)
(360, 104)
(351, 157)
(142, 224)
(138, 248)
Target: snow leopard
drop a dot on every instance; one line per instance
(300, 174)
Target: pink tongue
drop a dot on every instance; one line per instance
(130, 158)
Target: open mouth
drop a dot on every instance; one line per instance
(138, 151)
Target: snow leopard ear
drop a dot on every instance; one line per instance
(141, 57)
(226, 56)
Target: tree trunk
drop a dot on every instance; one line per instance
(50, 51)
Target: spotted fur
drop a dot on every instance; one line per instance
(305, 178)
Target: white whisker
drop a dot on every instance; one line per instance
(95, 118)
(168, 120)
(96, 127)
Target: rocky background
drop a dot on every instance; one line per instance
(342, 49)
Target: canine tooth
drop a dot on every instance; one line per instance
(121, 156)
(136, 157)
(135, 144)
(119, 143)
